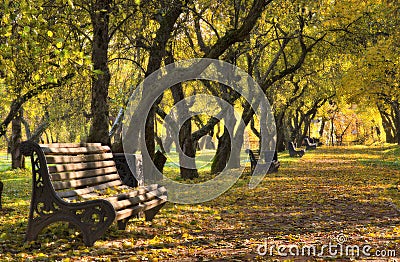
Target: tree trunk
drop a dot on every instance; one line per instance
(396, 109)
(157, 53)
(17, 159)
(306, 130)
(387, 125)
(389, 132)
(224, 150)
(1, 192)
(332, 131)
(237, 147)
(321, 129)
(188, 147)
(222, 154)
(187, 144)
(280, 134)
(117, 146)
(100, 81)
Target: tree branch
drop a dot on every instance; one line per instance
(18, 102)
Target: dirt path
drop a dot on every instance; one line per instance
(325, 197)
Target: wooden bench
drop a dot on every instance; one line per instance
(79, 184)
(309, 145)
(254, 156)
(294, 152)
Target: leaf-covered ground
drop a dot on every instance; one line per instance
(342, 195)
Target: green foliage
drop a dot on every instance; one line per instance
(41, 42)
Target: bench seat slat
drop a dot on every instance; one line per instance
(128, 212)
(131, 211)
(87, 190)
(134, 200)
(78, 159)
(81, 166)
(136, 192)
(155, 202)
(127, 193)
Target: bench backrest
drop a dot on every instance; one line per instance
(291, 146)
(253, 155)
(80, 169)
(308, 143)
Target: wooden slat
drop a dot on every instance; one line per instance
(85, 197)
(156, 189)
(75, 150)
(85, 181)
(69, 145)
(153, 203)
(80, 166)
(139, 198)
(129, 212)
(133, 193)
(83, 174)
(78, 159)
(83, 191)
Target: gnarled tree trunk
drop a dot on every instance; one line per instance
(223, 152)
(387, 125)
(17, 159)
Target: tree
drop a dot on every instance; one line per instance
(378, 69)
(99, 16)
(30, 58)
(238, 34)
(188, 140)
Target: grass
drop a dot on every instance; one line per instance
(4, 161)
(388, 156)
(330, 192)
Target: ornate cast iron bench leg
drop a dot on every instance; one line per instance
(91, 217)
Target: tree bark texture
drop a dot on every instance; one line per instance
(223, 153)
(101, 79)
(187, 144)
(17, 159)
(157, 53)
(1, 192)
(387, 124)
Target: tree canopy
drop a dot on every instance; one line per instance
(67, 68)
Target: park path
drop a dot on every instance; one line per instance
(327, 195)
